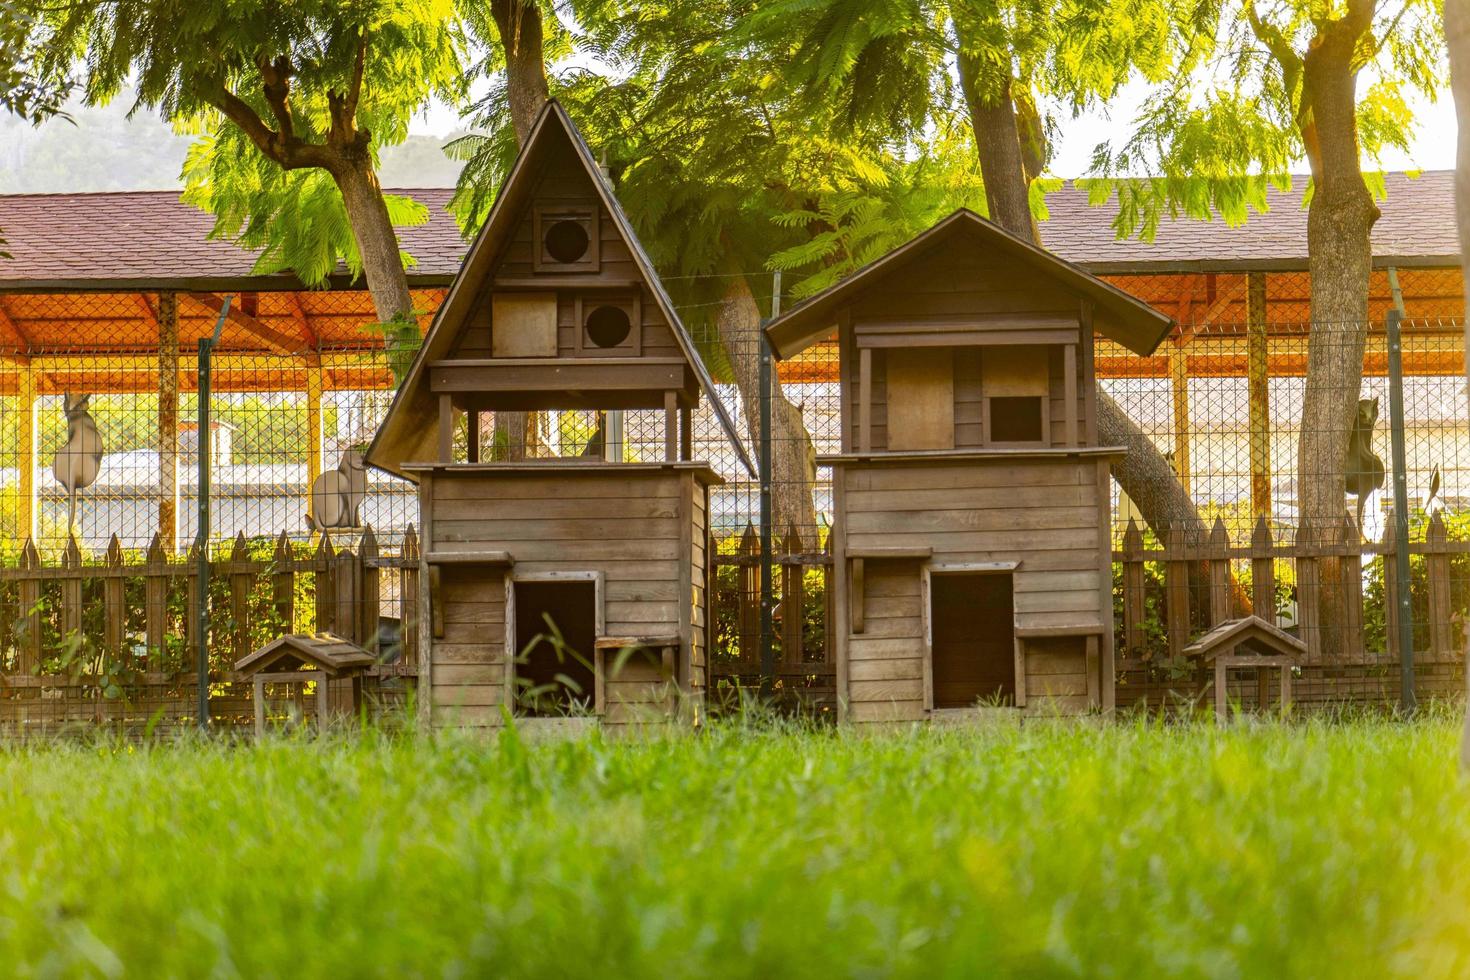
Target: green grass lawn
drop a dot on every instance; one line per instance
(1312, 850)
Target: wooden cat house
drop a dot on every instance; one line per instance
(572, 587)
(971, 495)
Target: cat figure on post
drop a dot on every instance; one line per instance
(1364, 468)
(337, 495)
(79, 461)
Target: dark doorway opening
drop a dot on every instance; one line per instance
(972, 628)
(556, 632)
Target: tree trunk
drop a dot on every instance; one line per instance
(372, 230)
(522, 37)
(1145, 475)
(1340, 260)
(793, 460)
(998, 146)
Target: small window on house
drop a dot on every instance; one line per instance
(556, 636)
(1015, 419)
(566, 234)
(608, 326)
(567, 240)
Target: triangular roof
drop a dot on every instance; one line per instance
(325, 651)
(1128, 321)
(409, 432)
(1248, 629)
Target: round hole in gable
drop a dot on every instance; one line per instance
(608, 326)
(567, 241)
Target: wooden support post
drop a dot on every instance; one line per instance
(408, 592)
(1219, 565)
(283, 585)
(1133, 589)
(168, 421)
(1179, 387)
(26, 451)
(793, 594)
(686, 434)
(1441, 608)
(671, 426)
(315, 463)
(30, 610)
(368, 613)
(1222, 678)
(1350, 567)
(1309, 592)
(113, 612)
(472, 436)
(1176, 593)
(155, 601)
(750, 597)
(865, 400)
(859, 589)
(241, 580)
(71, 592)
(446, 429)
(1263, 572)
(1259, 395)
(1069, 392)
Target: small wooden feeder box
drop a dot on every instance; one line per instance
(337, 666)
(1249, 642)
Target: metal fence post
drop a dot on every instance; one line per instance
(1400, 509)
(767, 393)
(201, 614)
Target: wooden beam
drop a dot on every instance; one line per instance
(314, 435)
(270, 337)
(25, 455)
(1259, 396)
(303, 322)
(10, 334)
(671, 426)
(167, 320)
(1179, 389)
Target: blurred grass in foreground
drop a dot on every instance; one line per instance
(1311, 850)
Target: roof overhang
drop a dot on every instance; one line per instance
(1127, 320)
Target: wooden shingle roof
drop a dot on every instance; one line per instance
(326, 652)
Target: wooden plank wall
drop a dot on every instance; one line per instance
(1043, 514)
(564, 182)
(629, 525)
(968, 397)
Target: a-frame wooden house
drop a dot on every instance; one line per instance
(972, 504)
(569, 586)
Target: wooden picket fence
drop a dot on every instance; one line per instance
(1209, 578)
(82, 648)
(805, 673)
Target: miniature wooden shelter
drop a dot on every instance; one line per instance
(334, 665)
(972, 501)
(557, 307)
(1266, 648)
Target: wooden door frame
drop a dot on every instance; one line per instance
(512, 648)
(926, 573)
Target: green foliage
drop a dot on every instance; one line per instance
(190, 61)
(1133, 850)
(1213, 149)
(402, 340)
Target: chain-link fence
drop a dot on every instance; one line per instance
(297, 384)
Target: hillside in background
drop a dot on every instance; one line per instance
(103, 150)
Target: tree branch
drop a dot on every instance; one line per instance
(291, 153)
(354, 90)
(276, 84)
(1270, 35)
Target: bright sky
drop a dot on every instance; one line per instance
(1433, 149)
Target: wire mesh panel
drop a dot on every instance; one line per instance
(98, 392)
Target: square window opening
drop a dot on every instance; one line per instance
(1016, 419)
